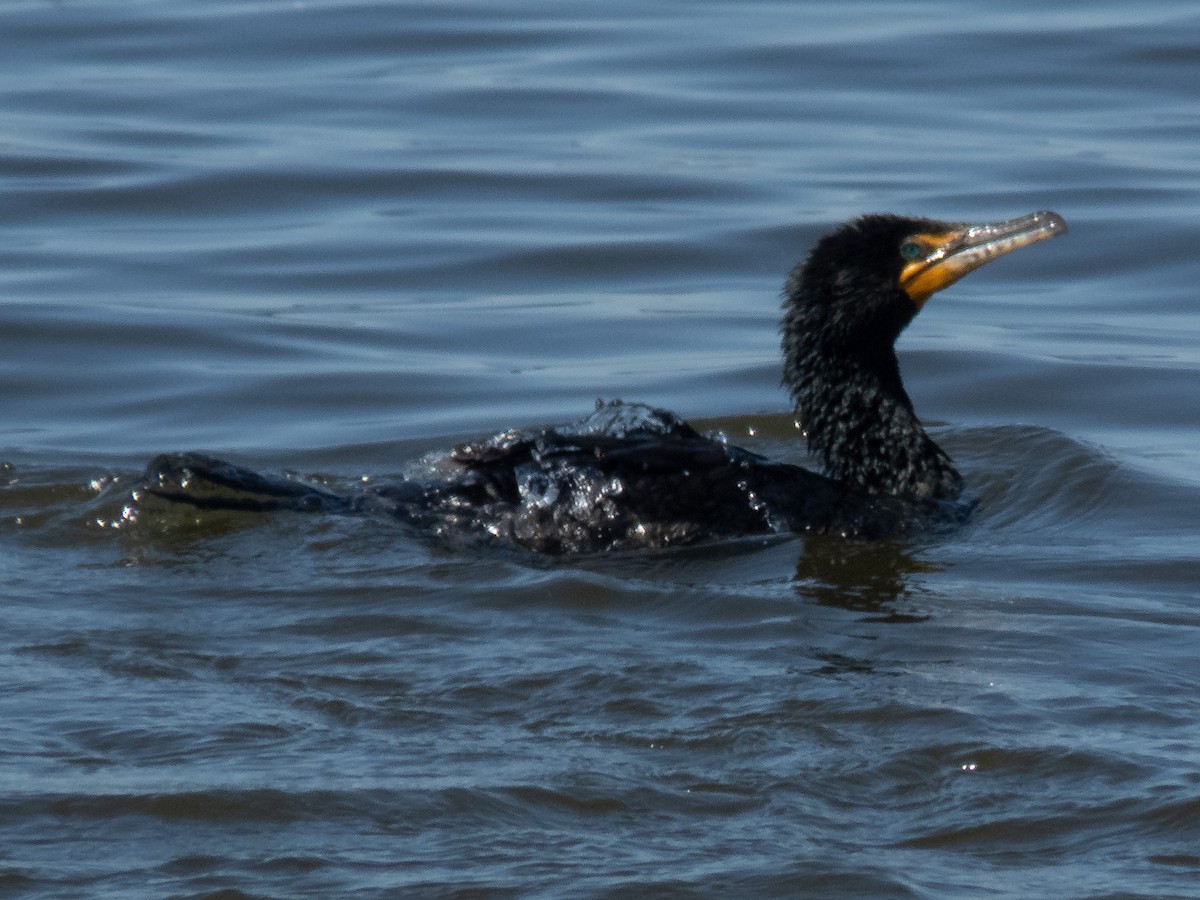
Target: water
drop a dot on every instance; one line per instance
(330, 237)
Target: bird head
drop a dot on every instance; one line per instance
(863, 282)
(845, 306)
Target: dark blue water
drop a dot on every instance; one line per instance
(330, 237)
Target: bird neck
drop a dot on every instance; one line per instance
(860, 423)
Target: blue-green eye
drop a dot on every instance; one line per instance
(911, 250)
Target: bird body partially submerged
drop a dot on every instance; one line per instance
(631, 477)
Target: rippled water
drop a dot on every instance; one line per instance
(329, 237)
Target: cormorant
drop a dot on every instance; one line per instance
(631, 476)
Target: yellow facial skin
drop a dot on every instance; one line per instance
(935, 260)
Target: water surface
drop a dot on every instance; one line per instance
(329, 237)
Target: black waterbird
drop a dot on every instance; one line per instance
(632, 476)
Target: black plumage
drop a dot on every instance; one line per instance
(843, 310)
(631, 476)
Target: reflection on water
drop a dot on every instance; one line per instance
(861, 576)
